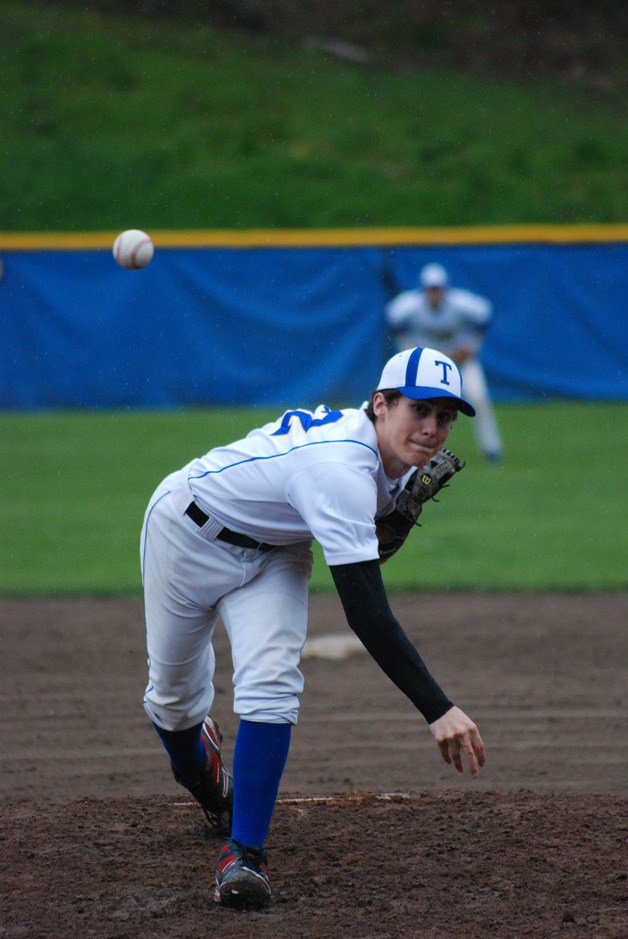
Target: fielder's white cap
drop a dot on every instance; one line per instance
(425, 373)
(433, 275)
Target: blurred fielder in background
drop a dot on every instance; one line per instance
(455, 322)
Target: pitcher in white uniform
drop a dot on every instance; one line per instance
(454, 321)
(228, 536)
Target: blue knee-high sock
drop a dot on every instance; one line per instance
(260, 754)
(185, 749)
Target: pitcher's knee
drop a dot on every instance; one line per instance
(265, 707)
(177, 714)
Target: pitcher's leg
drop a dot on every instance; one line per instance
(266, 621)
(181, 660)
(267, 625)
(183, 577)
(258, 778)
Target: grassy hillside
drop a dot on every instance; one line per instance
(113, 121)
(75, 487)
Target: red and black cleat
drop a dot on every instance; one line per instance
(242, 877)
(213, 790)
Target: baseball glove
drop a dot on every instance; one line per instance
(392, 530)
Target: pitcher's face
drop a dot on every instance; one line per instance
(410, 433)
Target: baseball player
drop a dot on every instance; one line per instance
(455, 321)
(229, 536)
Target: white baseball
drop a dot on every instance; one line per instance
(133, 249)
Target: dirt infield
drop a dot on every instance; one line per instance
(374, 835)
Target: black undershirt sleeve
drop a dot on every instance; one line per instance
(363, 596)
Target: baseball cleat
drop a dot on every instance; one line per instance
(242, 877)
(214, 788)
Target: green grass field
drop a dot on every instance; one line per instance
(75, 486)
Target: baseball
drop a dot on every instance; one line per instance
(133, 249)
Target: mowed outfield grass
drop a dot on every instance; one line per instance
(552, 516)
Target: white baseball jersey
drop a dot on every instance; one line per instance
(309, 474)
(460, 320)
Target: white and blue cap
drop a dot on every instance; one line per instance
(425, 373)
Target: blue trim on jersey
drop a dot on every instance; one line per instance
(274, 456)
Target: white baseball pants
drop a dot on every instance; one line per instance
(190, 580)
(475, 390)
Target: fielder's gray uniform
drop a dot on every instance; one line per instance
(460, 320)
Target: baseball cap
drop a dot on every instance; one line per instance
(433, 275)
(425, 373)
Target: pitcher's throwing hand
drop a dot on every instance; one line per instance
(455, 734)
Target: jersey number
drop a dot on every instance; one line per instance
(307, 420)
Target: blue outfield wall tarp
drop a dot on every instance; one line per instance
(560, 315)
(296, 324)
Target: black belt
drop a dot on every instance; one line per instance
(231, 537)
